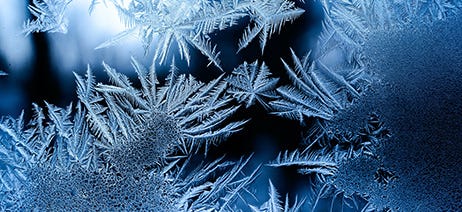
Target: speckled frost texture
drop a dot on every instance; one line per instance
(64, 190)
(378, 99)
(420, 98)
(123, 149)
(154, 139)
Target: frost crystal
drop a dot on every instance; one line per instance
(184, 23)
(316, 90)
(190, 23)
(50, 16)
(353, 19)
(198, 109)
(274, 204)
(250, 83)
(123, 148)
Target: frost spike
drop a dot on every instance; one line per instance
(84, 92)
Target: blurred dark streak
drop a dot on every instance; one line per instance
(42, 84)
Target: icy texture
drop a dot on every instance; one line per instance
(162, 23)
(250, 83)
(316, 90)
(316, 164)
(324, 159)
(378, 67)
(199, 109)
(419, 99)
(122, 148)
(189, 23)
(274, 204)
(50, 16)
(353, 20)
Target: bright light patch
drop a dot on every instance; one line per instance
(14, 47)
(74, 50)
(104, 17)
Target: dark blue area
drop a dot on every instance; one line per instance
(419, 98)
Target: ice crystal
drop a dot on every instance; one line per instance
(123, 148)
(316, 91)
(198, 109)
(187, 24)
(321, 165)
(50, 16)
(250, 83)
(190, 23)
(274, 204)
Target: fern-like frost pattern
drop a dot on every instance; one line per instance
(122, 147)
(190, 23)
(117, 146)
(316, 91)
(50, 16)
(251, 83)
(184, 23)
